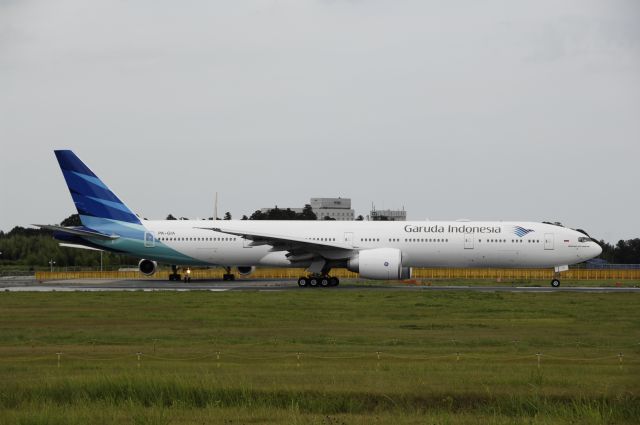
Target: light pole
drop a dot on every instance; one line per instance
(51, 263)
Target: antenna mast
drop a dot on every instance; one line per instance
(215, 207)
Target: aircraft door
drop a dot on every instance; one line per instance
(548, 241)
(468, 240)
(149, 240)
(246, 243)
(348, 237)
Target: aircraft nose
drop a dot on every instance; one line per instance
(597, 249)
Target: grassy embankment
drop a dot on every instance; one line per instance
(338, 378)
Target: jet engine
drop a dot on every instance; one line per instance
(246, 270)
(379, 263)
(147, 267)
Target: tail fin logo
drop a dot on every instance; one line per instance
(91, 196)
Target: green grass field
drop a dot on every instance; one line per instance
(366, 356)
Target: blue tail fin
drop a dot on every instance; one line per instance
(92, 197)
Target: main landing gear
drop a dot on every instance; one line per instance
(228, 275)
(174, 275)
(315, 281)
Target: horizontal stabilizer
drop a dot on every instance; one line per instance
(77, 231)
(77, 246)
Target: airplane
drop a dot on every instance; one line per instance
(386, 250)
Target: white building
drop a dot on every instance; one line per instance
(388, 215)
(334, 208)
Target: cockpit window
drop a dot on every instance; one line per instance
(583, 239)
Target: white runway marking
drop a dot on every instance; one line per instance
(93, 289)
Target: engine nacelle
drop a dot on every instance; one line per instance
(379, 263)
(245, 270)
(147, 267)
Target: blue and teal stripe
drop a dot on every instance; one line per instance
(91, 197)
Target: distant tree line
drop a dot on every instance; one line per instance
(624, 252)
(34, 248)
(286, 214)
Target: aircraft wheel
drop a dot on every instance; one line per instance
(313, 282)
(555, 283)
(303, 282)
(324, 282)
(334, 281)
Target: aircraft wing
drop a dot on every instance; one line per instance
(292, 244)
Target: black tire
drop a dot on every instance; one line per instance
(334, 281)
(555, 283)
(303, 282)
(324, 282)
(313, 282)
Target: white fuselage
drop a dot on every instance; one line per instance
(422, 243)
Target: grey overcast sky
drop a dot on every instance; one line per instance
(498, 110)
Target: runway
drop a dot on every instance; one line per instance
(29, 284)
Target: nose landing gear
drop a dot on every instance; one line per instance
(555, 283)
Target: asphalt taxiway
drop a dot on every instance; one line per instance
(29, 284)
